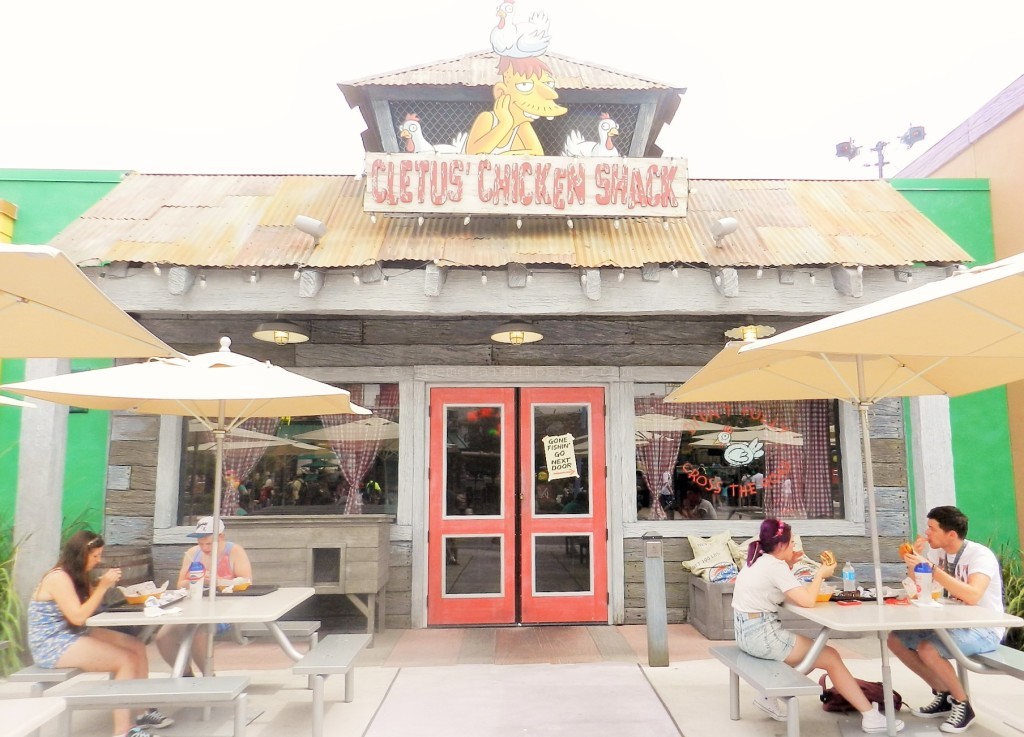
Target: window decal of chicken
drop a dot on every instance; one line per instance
(526, 92)
(577, 145)
(413, 141)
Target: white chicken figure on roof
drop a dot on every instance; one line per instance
(577, 145)
(520, 39)
(411, 133)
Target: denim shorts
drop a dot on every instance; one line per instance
(764, 637)
(970, 642)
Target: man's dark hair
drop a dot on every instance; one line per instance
(950, 519)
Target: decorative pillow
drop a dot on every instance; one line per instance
(712, 559)
(699, 544)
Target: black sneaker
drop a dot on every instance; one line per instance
(153, 719)
(138, 732)
(960, 717)
(940, 706)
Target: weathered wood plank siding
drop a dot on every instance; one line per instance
(463, 341)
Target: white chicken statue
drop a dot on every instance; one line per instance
(577, 145)
(411, 133)
(523, 39)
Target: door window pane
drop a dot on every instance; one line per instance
(472, 565)
(562, 564)
(564, 494)
(473, 472)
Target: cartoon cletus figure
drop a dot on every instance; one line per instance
(413, 141)
(577, 145)
(525, 93)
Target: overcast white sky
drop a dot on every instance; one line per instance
(250, 86)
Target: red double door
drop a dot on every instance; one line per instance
(517, 513)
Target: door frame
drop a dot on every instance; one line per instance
(618, 415)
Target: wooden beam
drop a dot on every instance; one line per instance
(518, 275)
(371, 274)
(590, 282)
(434, 279)
(848, 281)
(726, 281)
(180, 279)
(787, 276)
(692, 293)
(311, 281)
(650, 272)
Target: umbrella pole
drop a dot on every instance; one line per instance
(869, 474)
(218, 433)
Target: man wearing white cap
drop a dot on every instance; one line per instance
(233, 562)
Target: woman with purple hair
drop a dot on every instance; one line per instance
(761, 587)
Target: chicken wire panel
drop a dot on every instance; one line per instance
(443, 121)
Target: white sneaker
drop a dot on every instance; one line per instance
(874, 721)
(772, 707)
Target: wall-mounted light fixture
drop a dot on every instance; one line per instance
(723, 227)
(750, 332)
(516, 333)
(281, 333)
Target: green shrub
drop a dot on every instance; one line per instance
(10, 605)
(1013, 593)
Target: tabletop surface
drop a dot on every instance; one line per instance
(227, 609)
(19, 717)
(869, 617)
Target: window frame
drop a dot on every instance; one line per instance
(851, 453)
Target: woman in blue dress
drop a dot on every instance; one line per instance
(58, 638)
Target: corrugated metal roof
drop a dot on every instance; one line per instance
(247, 221)
(479, 69)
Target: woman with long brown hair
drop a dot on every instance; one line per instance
(57, 637)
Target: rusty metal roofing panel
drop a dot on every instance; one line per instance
(479, 69)
(247, 221)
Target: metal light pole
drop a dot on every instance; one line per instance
(849, 150)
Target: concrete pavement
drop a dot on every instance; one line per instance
(559, 681)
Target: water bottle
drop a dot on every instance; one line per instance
(923, 579)
(196, 574)
(849, 578)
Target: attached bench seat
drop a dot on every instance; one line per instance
(302, 629)
(42, 678)
(334, 654)
(1004, 659)
(93, 694)
(771, 678)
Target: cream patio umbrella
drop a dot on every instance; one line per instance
(10, 402)
(220, 389)
(957, 336)
(50, 309)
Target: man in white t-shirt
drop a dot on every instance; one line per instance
(970, 572)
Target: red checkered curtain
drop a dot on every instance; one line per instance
(356, 456)
(240, 462)
(659, 454)
(797, 477)
(797, 481)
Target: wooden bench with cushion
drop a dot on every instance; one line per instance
(334, 654)
(207, 691)
(772, 679)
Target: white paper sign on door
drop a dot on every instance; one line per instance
(560, 455)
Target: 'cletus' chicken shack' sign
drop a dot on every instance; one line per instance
(499, 167)
(524, 185)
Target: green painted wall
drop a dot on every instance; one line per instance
(48, 201)
(982, 466)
